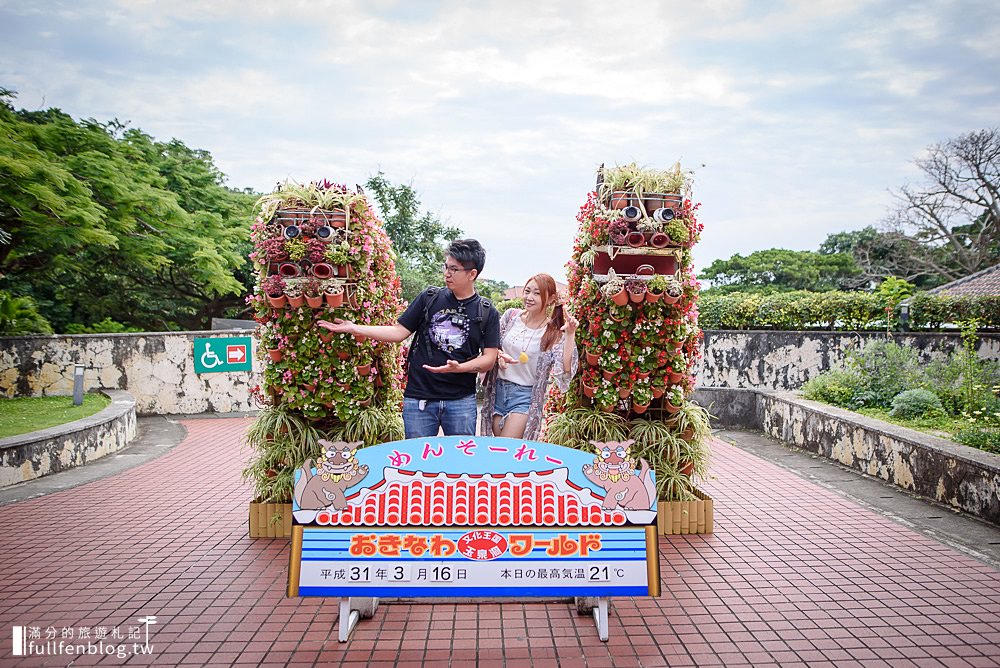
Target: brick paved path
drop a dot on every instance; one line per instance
(794, 575)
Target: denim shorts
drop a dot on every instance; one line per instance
(511, 398)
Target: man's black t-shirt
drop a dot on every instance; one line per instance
(454, 333)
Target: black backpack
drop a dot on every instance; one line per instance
(430, 302)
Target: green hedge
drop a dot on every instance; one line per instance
(850, 311)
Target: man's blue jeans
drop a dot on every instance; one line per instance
(422, 417)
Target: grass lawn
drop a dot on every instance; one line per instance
(24, 414)
(942, 427)
(983, 437)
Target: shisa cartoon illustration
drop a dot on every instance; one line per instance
(336, 471)
(614, 470)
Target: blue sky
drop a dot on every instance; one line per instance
(797, 117)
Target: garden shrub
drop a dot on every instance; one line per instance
(916, 403)
(840, 310)
(984, 437)
(836, 387)
(885, 369)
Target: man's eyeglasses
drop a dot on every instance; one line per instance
(451, 269)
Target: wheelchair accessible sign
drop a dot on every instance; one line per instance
(231, 353)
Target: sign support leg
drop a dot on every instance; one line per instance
(601, 618)
(353, 610)
(598, 607)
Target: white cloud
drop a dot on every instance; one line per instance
(499, 112)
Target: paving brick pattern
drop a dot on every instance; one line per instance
(794, 575)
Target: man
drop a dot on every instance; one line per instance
(457, 337)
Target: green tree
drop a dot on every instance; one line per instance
(780, 270)
(491, 289)
(105, 222)
(418, 238)
(18, 315)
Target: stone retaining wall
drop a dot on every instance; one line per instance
(786, 360)
(157, 369)
(962, 477)
(40, 453)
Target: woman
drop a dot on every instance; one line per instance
(535, 342)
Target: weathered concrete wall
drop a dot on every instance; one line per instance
(155, 368)
(786, 360)
(158, 369)
(959, 476)
(41, 453)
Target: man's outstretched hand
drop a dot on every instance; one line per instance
(339, 326)
(450, 367)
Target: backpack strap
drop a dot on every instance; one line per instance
(425, 325)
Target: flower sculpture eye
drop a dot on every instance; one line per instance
(346, 454)
(606, 453)
(621, 452)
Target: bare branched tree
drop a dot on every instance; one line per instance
(949, 226)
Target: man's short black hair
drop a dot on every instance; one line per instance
(469, 252)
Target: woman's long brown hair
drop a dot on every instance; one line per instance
(550, 295)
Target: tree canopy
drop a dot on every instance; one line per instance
(102, 220)
(418, 238)
(781, 270)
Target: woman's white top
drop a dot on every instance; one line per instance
(521, 338)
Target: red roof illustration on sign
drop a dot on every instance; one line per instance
(540, 498)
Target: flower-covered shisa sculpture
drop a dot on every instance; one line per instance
(320, 253)
(632, 287)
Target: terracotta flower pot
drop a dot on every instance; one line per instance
(669, 407)
(336, 218)
(309, 387)
(673, 377)
(659, 392)
(620, 199)
(592, 359)
(624, 392)
(325, 335)
(637, 297)
(608, 375)
(275, 355)
(686, 468)
(620, 297)
(639, 408)
(642, 375)
(314, 301)
(589, 391)
(322, 270)
(653, 297)
(343, 355)
(335, 300)
(667, 299)
(289, 270)
(652, 202)
(364, 369)
(360, 338)
(277, 302)
(659, 240)
(635, 239)
(296, 302)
